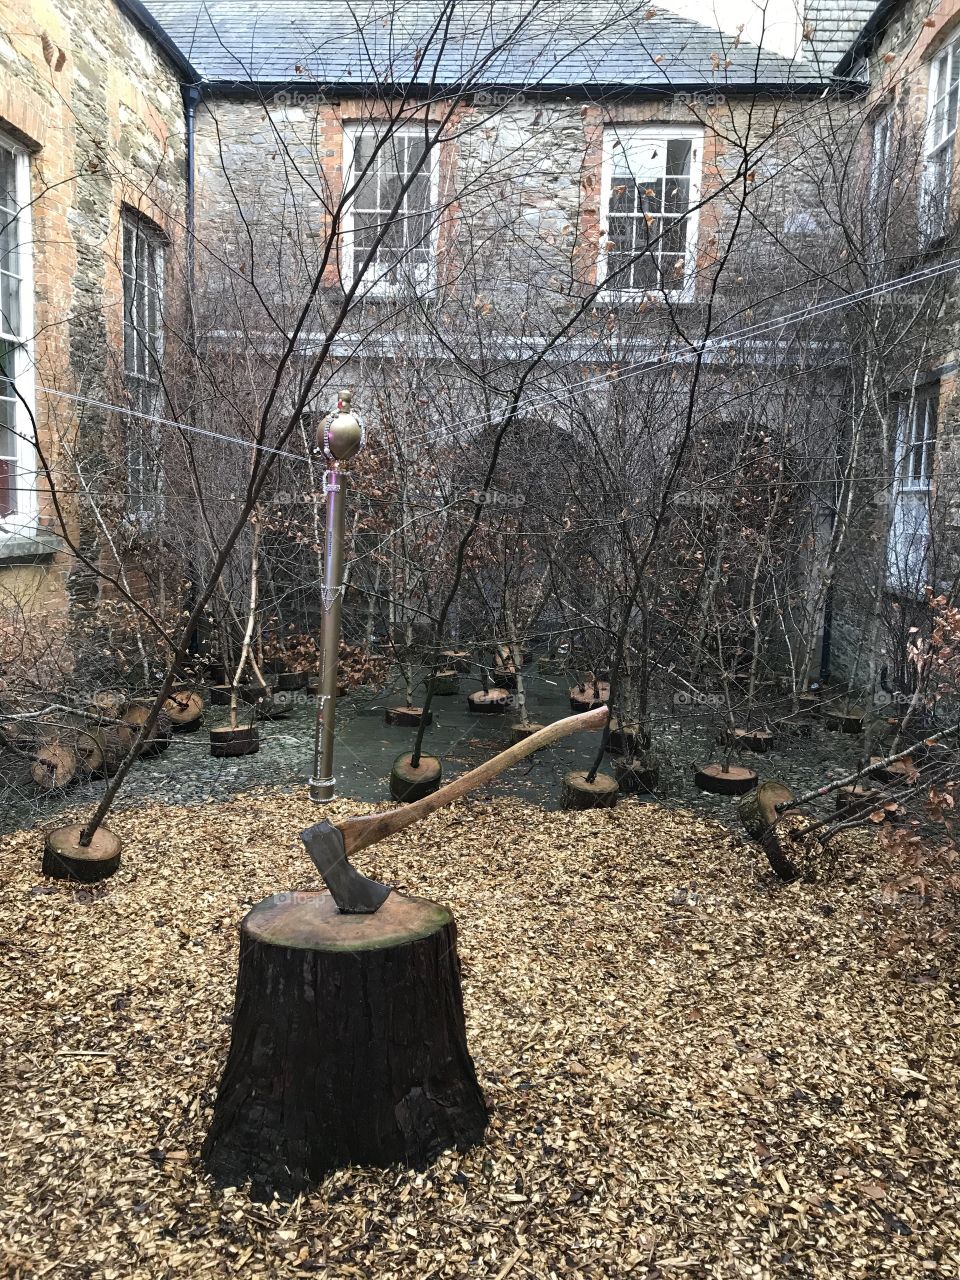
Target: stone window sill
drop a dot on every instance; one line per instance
(27, 548)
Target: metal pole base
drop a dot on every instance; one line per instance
(322, 790)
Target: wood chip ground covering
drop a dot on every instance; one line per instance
(693, 1071)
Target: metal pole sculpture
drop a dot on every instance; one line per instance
(341, 437)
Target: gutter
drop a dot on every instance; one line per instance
(871, 32)
(191, 96)
(264, 89)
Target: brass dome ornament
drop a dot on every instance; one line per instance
(341, 437)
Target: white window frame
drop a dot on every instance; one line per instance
(908, 548)
(882, 131)
(940, 146)
(380, 285)
(145, 491)
(612, 135)
(917, 439)
(23, 519)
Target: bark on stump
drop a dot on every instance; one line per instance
(520, 732)
(585, 697)
(845, 720)
(406, 717)
(759, 815)
(733, 781)
(488, 701)
(65, 858)
(636, 777)
(184, 710)
(577, 793)
(348, 1044)
(757, 740)
(408, 784)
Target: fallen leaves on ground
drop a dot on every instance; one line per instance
(693, 1070)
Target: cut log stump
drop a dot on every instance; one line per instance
(759, 815)
(585, 697)
(845, 719)
(636, 776)
(735, 781)
(184, 710)
(457, 659)
(65, 858)
(899, 771)
(446, 683)
(277, 704)
(859, 799)
(491, 700)
(91, 756)
(242, 741)
(406, 717)
(408, 784)
(626, 739)
(578, 793)
(157, 740)
(520, 732)
(757, 740)
(348, 1044)
(54, 766)
(290, 681)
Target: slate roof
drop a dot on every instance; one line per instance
(546, 44)
(833, 25)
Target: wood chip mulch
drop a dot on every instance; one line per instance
(693, 1070)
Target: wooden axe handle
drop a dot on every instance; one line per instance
(367, 830)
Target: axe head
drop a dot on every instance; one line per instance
(353, 893)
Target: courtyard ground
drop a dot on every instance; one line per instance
(693, 1071)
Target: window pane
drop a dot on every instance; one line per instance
(9, 254)
(623, 196)
(8, 494)
(674, 238)
(671, 270)
(679, 151)
(650, 195)
(10, 304)
(418, 195)
(8, 179)
(8, 440)
(677, 195)
(645, 273)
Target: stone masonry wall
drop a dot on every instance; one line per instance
(528, 169)
(899, 71)
(100, 110)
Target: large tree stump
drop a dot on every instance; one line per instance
(348, 1044)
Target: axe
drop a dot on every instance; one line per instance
(330, 845)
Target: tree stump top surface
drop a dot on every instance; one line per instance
(309, 920)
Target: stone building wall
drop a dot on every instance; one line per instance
(99, 108)
(898, 70)
(530, 165)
